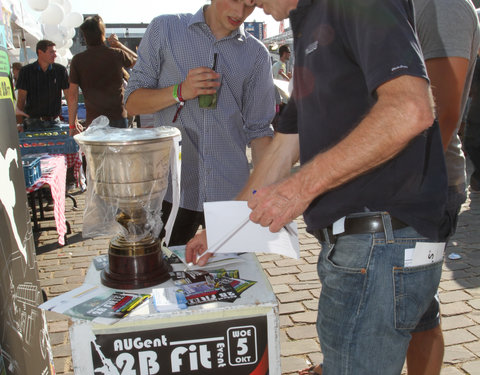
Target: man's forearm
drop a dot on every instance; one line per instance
(275, 163)
(259, 147)
(447, 76)
(144, 100)
(22, 95)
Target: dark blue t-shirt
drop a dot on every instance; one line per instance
(344, 50)
(44, 89)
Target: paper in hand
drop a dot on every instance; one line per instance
(224, 226)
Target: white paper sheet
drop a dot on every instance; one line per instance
(229, 230)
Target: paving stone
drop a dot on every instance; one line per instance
(457, 354)
(474, 330)
(474, 347)
(299, 347)
(302, 332)
(305, 317)
(472, 367)
(284, 279)
(458, 336)
(294, 296)
(283, 270)
(312, 304)
(306, 286)
(291, 365)
(288, 262)
(455, 308)
(475, 303)
(63, 350)
(455, 296)
(307, 276)
(277, 289)
(285, 321)
(289, 308)
(450, 370)
(454, 322)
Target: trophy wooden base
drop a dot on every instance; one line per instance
(135, 265)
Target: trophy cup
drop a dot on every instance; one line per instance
(128, 170)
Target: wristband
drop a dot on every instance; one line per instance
(177, 94)
(72, 127)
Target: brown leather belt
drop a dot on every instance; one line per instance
(358, 225)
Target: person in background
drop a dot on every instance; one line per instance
(372, 182)
(40, 86)
(174, 67)
(16, 67)
(99, 72)
(471, 139)
(279, 68)
(449, 36)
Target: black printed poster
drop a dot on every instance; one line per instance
(233, 347)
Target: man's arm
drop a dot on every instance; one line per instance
(115, 43)
(259, 146)
(447, 76)
(199, 81)
(22, 97)
(403, 110)
(72, 102)
(275, 163)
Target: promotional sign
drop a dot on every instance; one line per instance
(24, 341)
(233, 347)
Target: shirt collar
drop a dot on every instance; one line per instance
(199, 18)
(50, 67)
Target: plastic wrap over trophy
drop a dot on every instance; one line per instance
(127, 171)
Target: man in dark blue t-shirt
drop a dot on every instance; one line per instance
(372, 186)
(40, 85)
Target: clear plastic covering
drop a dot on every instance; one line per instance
(127, 177)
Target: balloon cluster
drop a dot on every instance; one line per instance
(58, 24)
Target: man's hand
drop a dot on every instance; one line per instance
(195, 247)
(75, 128)
(276, 205)
(113, 41)
(200, 81)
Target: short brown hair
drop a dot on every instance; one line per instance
(43, 44)
(93, 30)
(17, 66)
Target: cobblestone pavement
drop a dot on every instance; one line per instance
(297, 288)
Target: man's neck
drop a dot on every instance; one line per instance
(43, 65)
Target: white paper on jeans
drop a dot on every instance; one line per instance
(424, 253)
(224, 221)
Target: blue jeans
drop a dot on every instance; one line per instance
(370, 303)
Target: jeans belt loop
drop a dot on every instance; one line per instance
(387, 227)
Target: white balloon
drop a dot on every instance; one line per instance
(67, 7)
(53, 15)
(51, 31)
(69, 43)
(61, 60)
(73, 19)
(70, 33)
(38, 5)
(59, 2)
(61, 52)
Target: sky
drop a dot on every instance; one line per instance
(136, 11)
